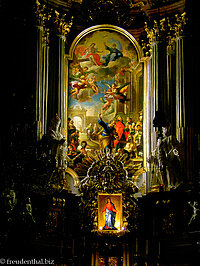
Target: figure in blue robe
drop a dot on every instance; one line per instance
(114, 54)
(107, 136)
(110, 214)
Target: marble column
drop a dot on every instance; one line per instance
(167, 77)
(61, 67)
(147, 122)
(171, 87)
(42, 73)
(56, 78)
(185, 131)
(185, 109)
(180, 90)
(159, 77)
(51, 31)
(42, 18)
(155, 97)
(45, 86)
(57, 96)
(39, 54)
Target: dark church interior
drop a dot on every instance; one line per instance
(52, 198)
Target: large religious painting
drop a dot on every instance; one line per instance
(105, 97)
(110, 211)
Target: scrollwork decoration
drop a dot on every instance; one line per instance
(107, 175)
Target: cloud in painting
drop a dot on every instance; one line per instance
(105, 72)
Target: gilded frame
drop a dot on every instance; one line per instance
(105, 27)
(116, 199)
(138, 70)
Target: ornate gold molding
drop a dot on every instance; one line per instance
(105, 27)
(164, 30)
(179, 24)
(50, 20)
(43, 17)
(40, 13)
(60, 25)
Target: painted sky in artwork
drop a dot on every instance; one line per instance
(100, 59)
(103, 82)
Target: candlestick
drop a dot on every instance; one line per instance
(147, 247)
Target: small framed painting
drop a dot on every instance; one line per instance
(110, 211)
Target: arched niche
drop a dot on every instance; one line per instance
(71, 181)
(104, 27)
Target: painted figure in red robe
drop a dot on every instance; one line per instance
(110, 214)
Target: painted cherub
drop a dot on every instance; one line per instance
(78, 85)
(107, 100)
(92, 84)
(119, 92)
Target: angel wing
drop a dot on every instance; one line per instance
(124, 87)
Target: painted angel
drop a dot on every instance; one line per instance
(107, 100)
(92, 53)
(83, 81)
(114, 53)
(118, 92)
(77, 85)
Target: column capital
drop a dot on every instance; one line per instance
(40, 13)
(165, 30)
(179, 25)
(51, 21)
(42, 20)
(158, 32)
(61, 25)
